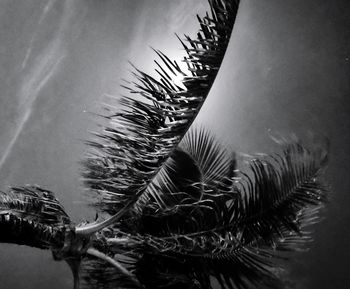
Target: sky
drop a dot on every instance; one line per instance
(286, 71)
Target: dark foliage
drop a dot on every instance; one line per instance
(220, 222)
(31, 216)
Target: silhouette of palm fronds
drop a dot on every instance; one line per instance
(209, 219)
(178, 212)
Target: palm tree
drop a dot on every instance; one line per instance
(176, 211)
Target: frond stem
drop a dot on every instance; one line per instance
(114, 263)
(92, 228)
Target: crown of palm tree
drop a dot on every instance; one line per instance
(179, 214)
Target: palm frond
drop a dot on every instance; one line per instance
(20, 231)
(235, 235)
(281, 187)
(210, 156)
(32, 216)
(178, 179)
(188, 185)
(33, 204)
(139, 139)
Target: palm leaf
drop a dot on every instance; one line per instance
(233, 234)
(35, 204)
(138, 140)
(211, 157)
(20, 231)
(281, 187)
(32, 216)
(188, 185)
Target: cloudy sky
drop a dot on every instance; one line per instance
(286, 71)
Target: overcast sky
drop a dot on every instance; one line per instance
(286, 71)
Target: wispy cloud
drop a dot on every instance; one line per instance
(28, 53)
(43, 14)
(46, 9)
(39, 75)
(30, 92)
(155, 26)
(182, 13)
(36, 76)
(18, 131)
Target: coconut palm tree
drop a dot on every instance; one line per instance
(175, 212)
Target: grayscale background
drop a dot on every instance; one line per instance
(286, 71)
